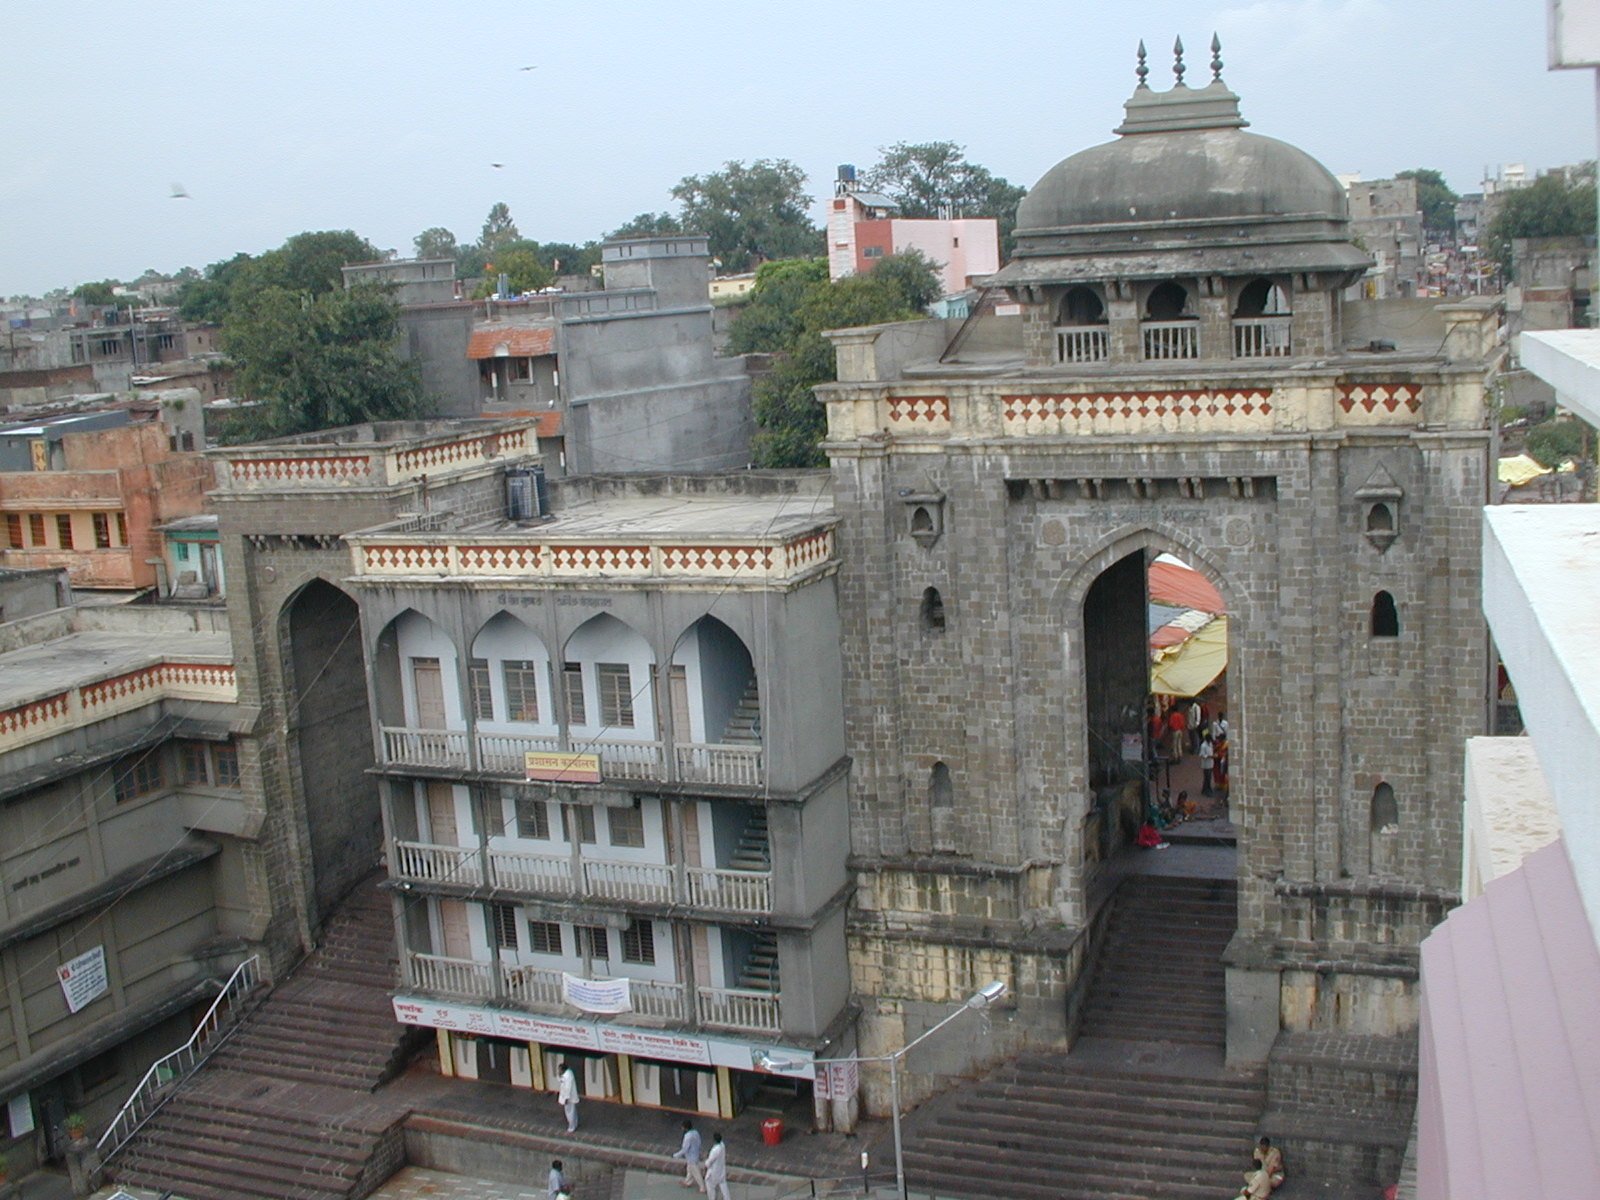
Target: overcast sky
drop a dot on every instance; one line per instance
(384, 118)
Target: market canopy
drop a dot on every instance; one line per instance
(1191, 666)
(1520, 469)
(1188, 629)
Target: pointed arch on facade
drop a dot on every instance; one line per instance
(714, 693)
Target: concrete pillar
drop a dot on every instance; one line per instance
(1123, 320)
(1216, 328)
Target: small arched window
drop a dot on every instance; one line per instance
(933, 612)
(1080, 306)
(1167, 302)
(1385, 617)
(1262, 298)
(942, 807)
(1385, 812)
(921, 521)
(1380, 519)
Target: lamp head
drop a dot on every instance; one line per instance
(988, 994)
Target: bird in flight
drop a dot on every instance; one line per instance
(179, 192)
(533, 68)
(497, 166)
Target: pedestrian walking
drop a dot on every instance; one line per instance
(717, 1170)
(557, 1183)
(694, 1174)
(1208, 760)
(567, 1095)
(1177, 724)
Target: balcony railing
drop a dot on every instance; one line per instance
(537, 987)
(431, 863)
(731, 765)
(452, 976)
(1261, 337)
(603, 879)
(531, 872)
(1082, 344)
(658, 998)
(1170, 339)
(738, 1008)
(736, 765)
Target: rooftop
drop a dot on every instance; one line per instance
(47, 668)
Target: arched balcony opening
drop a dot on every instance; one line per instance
(510, 688)
(419, 696)
(1170, 329)
(608, 700)
(1082, 335)
(1262, 321)
(715, 707)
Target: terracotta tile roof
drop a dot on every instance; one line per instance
(511, 341)
(547, 423)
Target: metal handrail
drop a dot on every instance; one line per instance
(154, 1090)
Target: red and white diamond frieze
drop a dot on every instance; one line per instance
(1378, 398)
(1115, 412)
(919, 412)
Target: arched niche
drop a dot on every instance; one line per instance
(942, 808)
(509, 680)
(606, 686)
(932, 610)
(1262, 297)
(1385, 617)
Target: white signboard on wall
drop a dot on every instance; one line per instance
(83, 979)
(19, 1114)
(1574, 31)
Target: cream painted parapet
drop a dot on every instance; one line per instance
(291, 465)
(751, 562)
(47, 716)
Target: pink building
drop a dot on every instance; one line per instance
(862, 228)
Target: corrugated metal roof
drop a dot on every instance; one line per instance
(1509, 1098)
(511, 341)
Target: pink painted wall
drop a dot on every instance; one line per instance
(966, 247)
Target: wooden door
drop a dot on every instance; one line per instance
(678, 689)
(442, 814)
(453, 928)
(429, 684)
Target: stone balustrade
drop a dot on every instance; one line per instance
(47, 716)
(287, 466)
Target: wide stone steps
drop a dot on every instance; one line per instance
(267, 1117)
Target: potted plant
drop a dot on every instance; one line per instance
(77, 1128)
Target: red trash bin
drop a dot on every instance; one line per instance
(772, 1131)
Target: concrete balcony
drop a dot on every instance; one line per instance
(1261, 337)
(716, 889)
(726, 765)
(737, 1008)
(535, 988)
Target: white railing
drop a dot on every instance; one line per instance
(647, 882)
(430, 863)
(532, 985)
(738, 1008)
(531, 872)
(1170, 339)
(1082, 344)
(453, 976)
(733, 891)
(424, 747)
(161, 1080)
(623, 760)
(657, 998)
(1261, 337)
(731, 765)
(504, 753)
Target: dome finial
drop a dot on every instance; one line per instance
(1177, 59)
(1141, 70)
(1216, 58)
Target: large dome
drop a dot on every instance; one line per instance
(1182, 175)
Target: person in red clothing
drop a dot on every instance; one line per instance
(1177, 724)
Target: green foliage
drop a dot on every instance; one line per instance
(207, 298)
(1551, 443)
(318, 362)
(913, 275)
(750, 214)
(471, 261)
(524, 271)
(435, 242)
(647, 225)
(923, 177)
(498, 230)
(308, 264)
(568, 258)
(1435, 198)
(791, 305)
(1554, 205)
(98, 295)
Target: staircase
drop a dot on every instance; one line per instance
(1052, 1128)
(754, 851)
(760, 970)
(1159, 976)
(1102, 1122)
(744, 727)
(284, 1110)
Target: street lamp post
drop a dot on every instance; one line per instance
(985, 996)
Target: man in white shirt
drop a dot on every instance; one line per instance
(717, 1170)
(567, 1096)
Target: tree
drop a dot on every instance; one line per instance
(97, 295)
(318, 362)
(647, 225)
(207, 299)
(913, 275)
(523, 270)
(1435, 198)
(1554, 205)
(924, 178)
(790, 423)
(498, 229)
(770, 318)
(1551, 443)
(750, 214)
(435, 242)
(311, 264)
